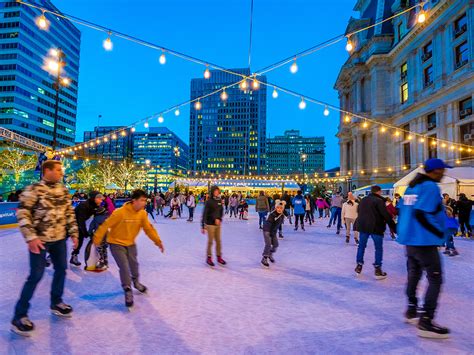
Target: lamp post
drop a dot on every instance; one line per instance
(55, 64)
(177, 153)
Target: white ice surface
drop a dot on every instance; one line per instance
(308, 302)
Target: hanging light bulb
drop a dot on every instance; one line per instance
(107, 44)
(294, 67)
(347, 119)
(224, 96)
(244, 84)
(42, 22)
(302, 104)
(207, 73)
(177, 112)
(443, 145)
(365, 124)
(421, 16)
(255, 84)
(162, 58)
(133, 129)
(114, 136)
(161, 119)
(197, 105)
(422, 140)
(106, 139)
(349, 45)
(326, 111)
(146, 124)
(383, 129)
(275, 93)
(123, 134)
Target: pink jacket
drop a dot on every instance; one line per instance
(321, 203)
(109, 205)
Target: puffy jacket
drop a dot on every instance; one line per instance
(299, 204)
(262, 204)
(273, 222)
(84, 211)
(422, 217)
(213, 211)
(46, 213)
(373, 215)
(464, 207)
(349, 211)
(321, 203)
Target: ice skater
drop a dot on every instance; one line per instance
(122, 229)
(270, 227)
(46, 217)
(299, 205)
(211, 223)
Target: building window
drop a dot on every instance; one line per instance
(467, 137)
(362, 95)
(460, 25)
(465, 108)
(406, 129)
(404, 72)
(406, 155)
(428, 76)
(399, 31)
(431, 121)
(404, 93)
(427, 51)
(432, 147)
(461, 52)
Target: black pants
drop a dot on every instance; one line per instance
(425, 258)
(81, 241)
(299, 217)
(464, 224)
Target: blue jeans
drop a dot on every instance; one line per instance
(378, 243)
(336, 213)
(261, 217)
(191, 212)
(58, 253)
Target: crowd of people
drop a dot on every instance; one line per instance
(422, 221)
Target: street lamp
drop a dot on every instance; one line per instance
(55, 62)
(177, 153)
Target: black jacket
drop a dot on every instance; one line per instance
(464, 207)
(373, 215)
(273, 222)
(84, 211)
(212, 211)
(287, 199)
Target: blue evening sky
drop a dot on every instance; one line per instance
(128, 83)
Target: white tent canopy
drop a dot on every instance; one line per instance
(238, 185)
(455, 181)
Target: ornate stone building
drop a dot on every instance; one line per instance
(416, 77)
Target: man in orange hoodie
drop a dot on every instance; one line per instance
(122, 228)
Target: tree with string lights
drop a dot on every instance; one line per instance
(87, 175)
(16, 162)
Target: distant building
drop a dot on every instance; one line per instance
(293, 153)
(27, 94)
(228, 136)
(416, 77)
(116, 149)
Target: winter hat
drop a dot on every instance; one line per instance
(280, 203)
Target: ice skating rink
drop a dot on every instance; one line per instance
(309, 302)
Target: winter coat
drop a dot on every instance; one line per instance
(422, 217)
(262, 204)
(45, 212)
(109, 205)
(287, 199)
(373, 215)
(464, 207)
(233, 202)
(83, 212)
(191, 201)
(308, 205)
(336, 201)
(213, 211)
(320, 203)
(273, 222)
(349, 211)
(392, 210)
(299, 204)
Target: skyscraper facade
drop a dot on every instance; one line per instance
(27, 90)
(292, 153)
(117, 148)
(228, 136)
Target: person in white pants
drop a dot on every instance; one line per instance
(349, 216)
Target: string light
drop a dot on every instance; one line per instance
(160, 119)
(347, 118)
(422, 140)
(66, 81)
(106, 139)
(146, 124)
(410, 137)
(274, 93)
(294, 67)
(326, 111)
(224, 95)
(177, 112)
(114, 136)
(123, 134)
(421, 16)
(397, 133)
(244, 85)
(383, 129)
(349, 46)
(162, 58)
(133, 129)
(107, 44)
(443, 145)
(207, 73)
(42, 22)
(365, 124)
(255, 84)
(302, 104)
(197, 105)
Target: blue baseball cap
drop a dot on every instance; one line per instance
(433, 164)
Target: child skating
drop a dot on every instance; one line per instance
(122, 228)
(270, 227)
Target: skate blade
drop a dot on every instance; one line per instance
(265, 266)
(431, 335)
(380, 277)
(413, 321)
(22, 333)
(59, 314)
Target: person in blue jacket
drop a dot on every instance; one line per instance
(299, 207)
(422, 229)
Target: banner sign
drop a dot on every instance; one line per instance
(8, 213)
